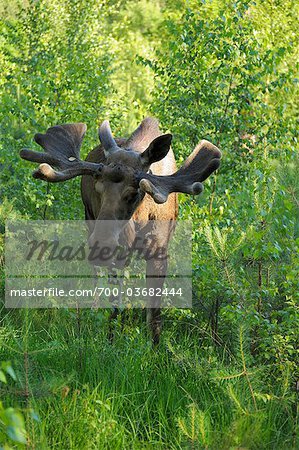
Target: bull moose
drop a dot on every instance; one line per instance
(126, 181)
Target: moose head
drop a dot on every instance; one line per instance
(124, 176)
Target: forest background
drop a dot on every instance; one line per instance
(225, 375)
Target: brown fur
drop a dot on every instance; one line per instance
(148, 213)
(148, 209)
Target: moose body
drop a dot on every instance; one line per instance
(127, 182)
(156, 220)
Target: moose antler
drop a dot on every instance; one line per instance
(62, 145)
(107, 139)
(202, 162)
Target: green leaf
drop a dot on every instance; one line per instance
(6, 366)
(16, 434)
(3, 377)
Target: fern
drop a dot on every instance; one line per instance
(196, 427)
(223, 248)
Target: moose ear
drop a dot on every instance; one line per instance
(156, 151)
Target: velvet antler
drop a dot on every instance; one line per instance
(202, 162)
(62, 145)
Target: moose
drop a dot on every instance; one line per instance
(126, 182)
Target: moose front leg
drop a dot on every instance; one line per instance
(115, 300)
(115, 283)
(155, 277)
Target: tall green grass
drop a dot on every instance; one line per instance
(78, 391)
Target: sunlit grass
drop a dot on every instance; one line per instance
(91, 394)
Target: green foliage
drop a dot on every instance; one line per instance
(227, 371)
(90, 394)
(223, 75)
(55, 69)
(12, 424)
(195, 427)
